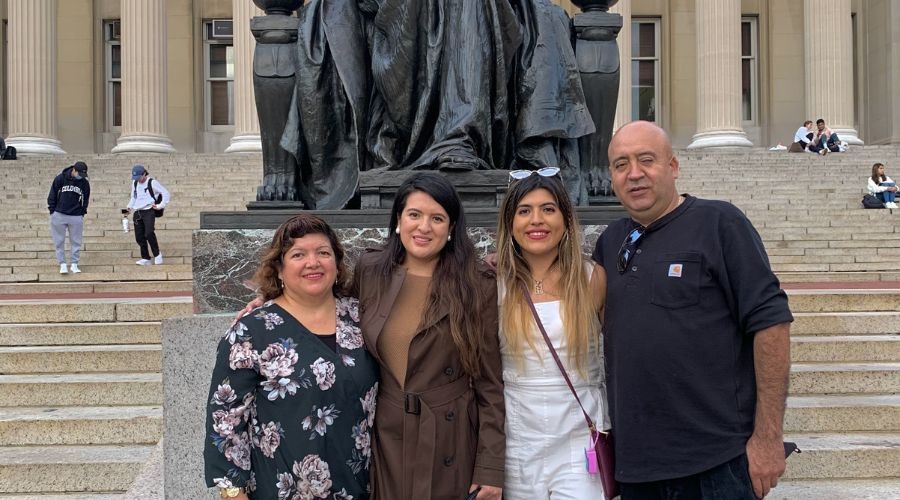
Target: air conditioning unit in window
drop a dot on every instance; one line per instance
(222, 28)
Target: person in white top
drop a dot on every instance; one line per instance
(538, 246)
(883, 186)
(802, 138)
(147, 197)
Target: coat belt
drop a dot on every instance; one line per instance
(420, 421)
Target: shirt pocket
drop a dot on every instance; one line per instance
(676, 280)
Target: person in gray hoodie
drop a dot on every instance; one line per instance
(68, 204)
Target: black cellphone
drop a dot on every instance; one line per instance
(473, 494)
(790, 448)
(124, 211)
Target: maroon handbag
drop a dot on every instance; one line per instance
(601, 441)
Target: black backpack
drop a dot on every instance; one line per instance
(871, 201)
(159, 212)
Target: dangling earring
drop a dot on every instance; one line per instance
(397, 230)
(281, 283)
(448, 237)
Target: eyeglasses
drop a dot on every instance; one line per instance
(543, 172)
(626, 251)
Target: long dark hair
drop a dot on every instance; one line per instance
(456, 275)
(878, 178)
(298, 226)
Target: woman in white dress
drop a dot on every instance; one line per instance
(538, 244)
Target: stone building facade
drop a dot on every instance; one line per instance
(121, 76)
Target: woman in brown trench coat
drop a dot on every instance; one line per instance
(429, 316)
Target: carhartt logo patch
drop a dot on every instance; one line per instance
(675, 270)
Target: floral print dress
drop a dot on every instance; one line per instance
(288, 418)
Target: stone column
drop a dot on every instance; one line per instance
(246, 123)
(32, 77)
(828, 60)
(719, 75)
(623, 105)
(144, 78)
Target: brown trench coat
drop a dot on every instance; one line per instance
(444, 432)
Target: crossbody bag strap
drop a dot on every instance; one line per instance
(559, 364)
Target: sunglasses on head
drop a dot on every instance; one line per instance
(629, 246)
(523, 174)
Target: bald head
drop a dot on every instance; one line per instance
(643, 169)
(646, 130)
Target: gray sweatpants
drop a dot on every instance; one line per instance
(58, 225)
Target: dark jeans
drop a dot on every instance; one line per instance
(729, 481)
(832, 144)
(144, 233)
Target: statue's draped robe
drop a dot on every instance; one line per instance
(449, 84)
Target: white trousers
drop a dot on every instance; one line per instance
(546, 435)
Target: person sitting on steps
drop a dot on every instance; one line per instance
(882, 186)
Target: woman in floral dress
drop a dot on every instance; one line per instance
(293, 392)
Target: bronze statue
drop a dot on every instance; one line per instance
(455, 85)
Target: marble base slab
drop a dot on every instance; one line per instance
(224, 260)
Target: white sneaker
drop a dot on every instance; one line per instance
(74, 268)
(143, 262)
(63, 269)
(890, 204)
(158, 259)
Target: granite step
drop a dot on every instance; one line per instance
(846, 323)
(843, 300)
(844, 456)
(39, 469)
(845, 378)
(65, 287)
(94, 310)
(843, 413)
(41, 426)
(81, 389)
(79, 334)
(861, 489)
(65, 496)
(80, 359)
(845, 348)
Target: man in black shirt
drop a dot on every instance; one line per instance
(697, 336)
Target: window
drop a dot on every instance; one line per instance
(645, 69)
(219, 73)
(749, 69)
(113, 61)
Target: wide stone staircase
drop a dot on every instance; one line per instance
(80, 354)
(80, 398)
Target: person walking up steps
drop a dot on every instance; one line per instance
(148, 199)
(68, 204)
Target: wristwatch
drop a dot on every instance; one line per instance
(230, 492)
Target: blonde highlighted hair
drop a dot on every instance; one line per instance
(579, 312)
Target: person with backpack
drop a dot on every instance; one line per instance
(68, 204)
(6, 152)
(148, 200)
(882, 187)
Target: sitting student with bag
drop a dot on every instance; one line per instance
(802, 138)
(882, 187)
